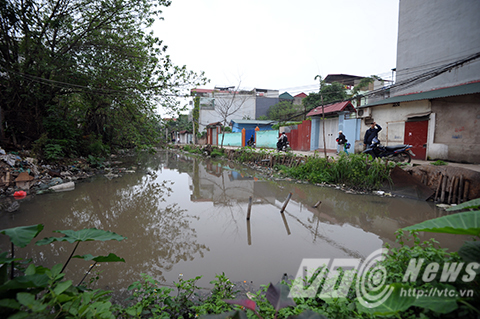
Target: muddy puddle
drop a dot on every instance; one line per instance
(186, 217)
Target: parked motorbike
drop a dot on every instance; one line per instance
(283, 146)
(398, 153)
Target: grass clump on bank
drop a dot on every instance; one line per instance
(354, 171)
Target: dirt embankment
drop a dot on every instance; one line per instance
(449, 184)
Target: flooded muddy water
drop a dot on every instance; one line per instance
(185, 216)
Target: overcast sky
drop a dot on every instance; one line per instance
(280, 44)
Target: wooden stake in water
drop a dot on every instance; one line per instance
(249, 207)
(286, 202)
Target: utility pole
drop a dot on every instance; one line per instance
(323, 115)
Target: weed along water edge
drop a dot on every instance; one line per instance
(185, 216)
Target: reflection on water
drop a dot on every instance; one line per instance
(184, 215)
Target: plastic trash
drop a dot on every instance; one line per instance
(70, 186)
(19, 194)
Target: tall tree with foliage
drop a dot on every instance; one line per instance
(284, 111)
(71, 70)
(334, 92)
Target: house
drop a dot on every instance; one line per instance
(250, 127)
(338, 116)
(435, 103)
(285, 96)
(214, 130)
(225, 104)
(297, 99)
(186, 137)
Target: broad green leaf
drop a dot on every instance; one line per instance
(23, 235)
(474, 203)
(466, 223)
(62, 286)
(399, 300)
(101, 259)
(5, 260)
(3, 274)
(88, 234)
(437, 299)
(9, 303)
(29, 301)
(278, 296)
(470, 252)
(23, 282)
(20, 315)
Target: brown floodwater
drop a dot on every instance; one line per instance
(186, 216)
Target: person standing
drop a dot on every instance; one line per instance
(371, 133)
(342, 141)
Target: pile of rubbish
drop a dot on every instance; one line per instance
(24, 176)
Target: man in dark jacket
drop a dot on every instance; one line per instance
(342, 141)
(371, 133)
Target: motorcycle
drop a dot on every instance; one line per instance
(283, 146)
(398, 153)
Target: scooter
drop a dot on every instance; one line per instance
(283, 146)
(398, 153)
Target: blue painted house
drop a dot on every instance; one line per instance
(250, 126)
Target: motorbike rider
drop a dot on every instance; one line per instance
(371, 133)
(250, 141)
(282, 141)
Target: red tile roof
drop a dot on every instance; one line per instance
(302, 95)
(332, 108)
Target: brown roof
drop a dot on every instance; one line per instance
(332, 108)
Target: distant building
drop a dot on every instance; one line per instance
(240, 104)
(297, 99)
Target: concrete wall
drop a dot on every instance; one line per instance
(267, 139)
(432, 34)
(392, 120)
(457, 129)
(231, 139)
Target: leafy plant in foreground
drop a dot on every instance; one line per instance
(278, 300)
(42, 292)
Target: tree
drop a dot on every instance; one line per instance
(228, 103)
(284, 111)
(334, 92)
(363, 86)
(84, 67)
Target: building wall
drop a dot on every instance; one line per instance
(457, 129)
(392, 120)
(244, 102)
(263, 104)
(432, 34)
